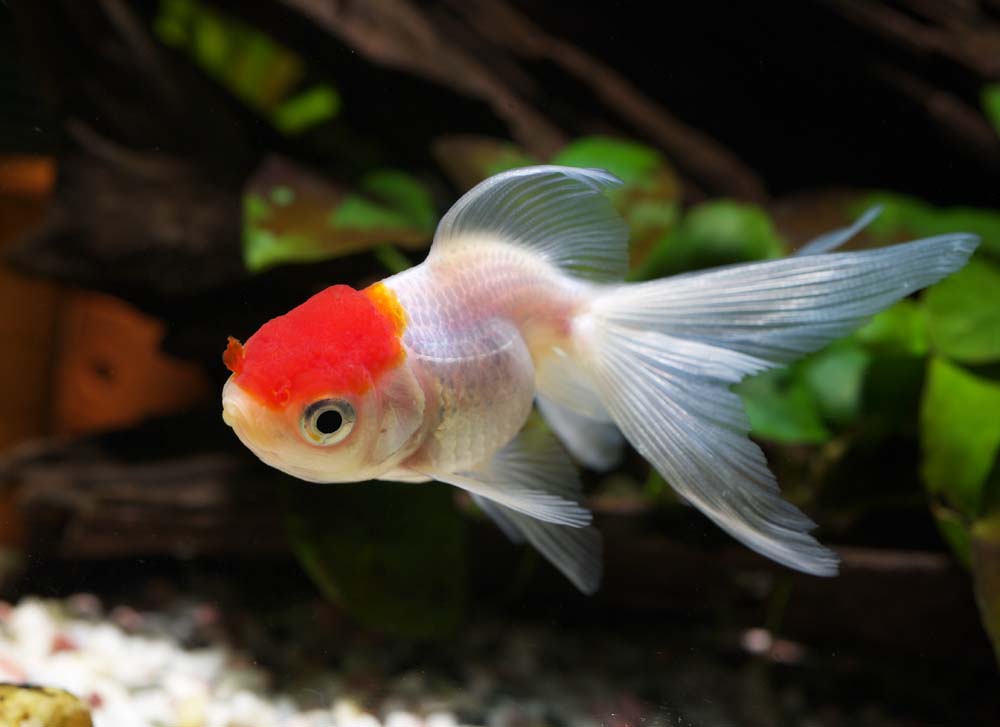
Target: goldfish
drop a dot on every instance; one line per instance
(432, 373)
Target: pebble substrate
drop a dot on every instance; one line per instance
(135, 670)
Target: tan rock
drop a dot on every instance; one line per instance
(28, 706)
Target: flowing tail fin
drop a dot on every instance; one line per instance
(662, 357)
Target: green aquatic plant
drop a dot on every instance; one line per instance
(990, 97)
(263, 73)
(713, 233)
(954, 331)
(292, 216)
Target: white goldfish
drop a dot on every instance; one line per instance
(431, 374)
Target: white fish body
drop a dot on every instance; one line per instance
(479, 323)
(520, 301)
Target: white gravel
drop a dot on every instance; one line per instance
(133, 670)
(138, 680)
(189, 663)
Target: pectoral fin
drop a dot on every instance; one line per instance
(532, 475)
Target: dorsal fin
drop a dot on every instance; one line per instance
(560, 213)
(830, 241)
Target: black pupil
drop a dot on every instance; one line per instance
(329, 421)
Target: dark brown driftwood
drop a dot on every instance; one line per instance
(115, 495)
(147, 121)
(936, 41)
(482, 47)
(83, 501)
(135, 222)
(963, 31)
(400, 34)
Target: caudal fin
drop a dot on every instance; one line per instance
(662, 356)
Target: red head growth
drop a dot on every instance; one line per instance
(339, 341)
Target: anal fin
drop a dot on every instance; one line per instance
(575, 552)
(596, 443)
(531, 490)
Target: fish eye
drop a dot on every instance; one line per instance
(327, 421)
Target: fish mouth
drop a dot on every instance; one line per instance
(253, 426)
(228, 417)
(233, 413)
(239, 413)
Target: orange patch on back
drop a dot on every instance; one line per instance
(340, 341)
(387, 302)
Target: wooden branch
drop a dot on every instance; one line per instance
(694, 153)
(469, 46)
(946, 51)
(398, 34)
(136, 223)
(962, 123)
(961, 32)
(100, 498)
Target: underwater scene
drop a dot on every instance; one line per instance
(499, 363)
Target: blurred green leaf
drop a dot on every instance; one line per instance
(963, 314)
(836, 376)
(211, 41)
(174, 21)
(649, 200)
(795, 405)
(291, 215)
(991, 104)
(307, 109)
(251, 68)
(955, 531)
(900, 329)
(387, 200)
(391, 258)
(254, 67)
(714, 233)
(892, 390)
(986, 575)
(630, 161)
(649, 220)
(782, 407)
(391, 554)
(468, 160)
(960, 435)
(906, 217)
(264, 247)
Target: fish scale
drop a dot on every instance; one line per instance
(483, 375)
